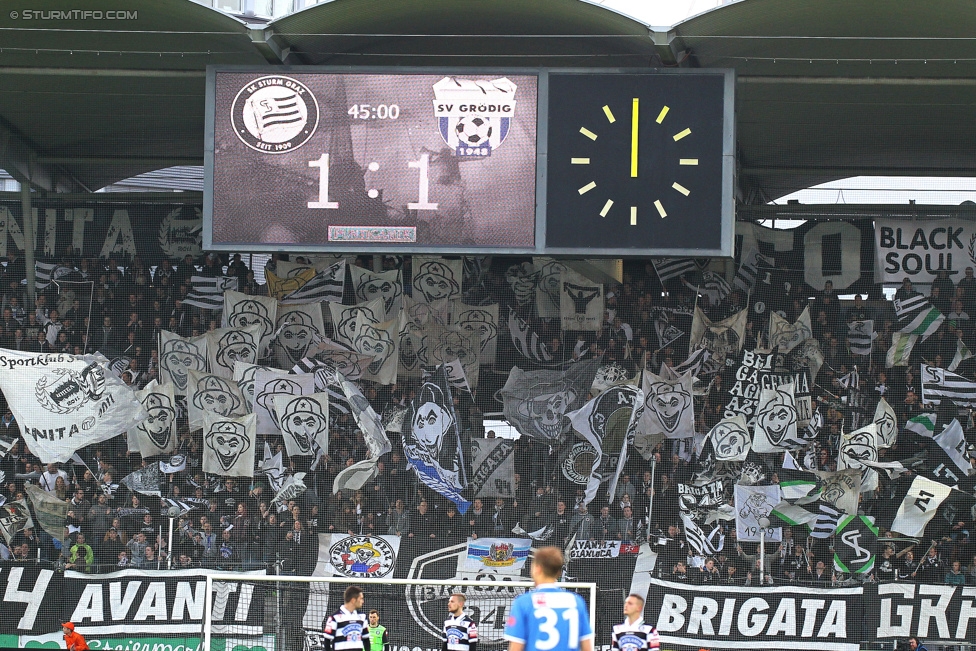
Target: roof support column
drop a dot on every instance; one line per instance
(29, 243)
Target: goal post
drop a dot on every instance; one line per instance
(412, 610)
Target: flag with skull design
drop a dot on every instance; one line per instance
(228, 445)
(177, 355)
(386, 286)
(213, 393)
(64, 402)
(298, 328)
(304, 423)
(157, 434)
(536, 402)
(434, 442)
(669, 411)
(226, 346)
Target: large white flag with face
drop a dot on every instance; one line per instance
(157, 434)
(65, 402)
(268, 384)
(228, 445)
(304, 423)
(177, 356)
(207, 392)
(243, 311)
(227, 346)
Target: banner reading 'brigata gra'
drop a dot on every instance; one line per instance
(918, 250)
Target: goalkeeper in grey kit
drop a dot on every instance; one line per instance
(460, 631)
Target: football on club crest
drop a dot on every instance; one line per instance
(474, 116)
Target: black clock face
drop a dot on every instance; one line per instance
(635, 162)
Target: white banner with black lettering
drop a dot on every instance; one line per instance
(917, 250)
(732, 617)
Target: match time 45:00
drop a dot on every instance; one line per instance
(374, 111)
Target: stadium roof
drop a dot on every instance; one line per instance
(826, 89)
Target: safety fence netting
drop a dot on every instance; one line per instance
(757, 458)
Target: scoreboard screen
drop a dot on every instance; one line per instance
(417, 162)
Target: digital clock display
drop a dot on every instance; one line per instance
(327, 161)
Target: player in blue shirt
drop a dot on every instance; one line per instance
(549, 618)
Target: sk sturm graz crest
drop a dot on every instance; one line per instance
(474, 116)
(362, 557)
(63, 391)
(275, 114)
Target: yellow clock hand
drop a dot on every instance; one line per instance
(633, 138)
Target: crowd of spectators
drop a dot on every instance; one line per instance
(235, 523)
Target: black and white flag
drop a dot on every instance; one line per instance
(228, 445)
(701, 543)
(919, 506)
(381, 341)
(665, 326)
(527, 342)
(304, 423)
(6, 445)
(297, 329)
(721, 338)
(730, 439)
(753, 507)
(326, 285)
(917, 316)
(855, 448)
(887, 422)
(147, 480)
(346, 319)
(603, 423)
(953, 442)
(227, 346)
(668, 268)
(536, 402)
(63, 403)
(178, 356)
(208, 393)
(242, 311)
(14, 517)
(860, 337)
(433, 442)
(785, 335)
(855, 545)
(582, 303)
(330, 354)
(776, 421)
(386, 286)
(436, 279)
(267, 384)
(938, 383)
(244, 378)
(207, 292)
(492, 468)
(481, 321)
(669, 411)
(548, 288)
(157, 434)
(446, 345)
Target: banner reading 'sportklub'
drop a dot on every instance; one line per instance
(918, 250)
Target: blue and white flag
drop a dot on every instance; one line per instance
(433, 441)
(496, 555)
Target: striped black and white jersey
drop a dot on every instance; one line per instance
(346, 631)
(460, 633)
(635, 637)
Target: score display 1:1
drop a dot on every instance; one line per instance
(423, 190)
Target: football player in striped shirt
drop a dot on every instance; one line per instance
(460, 631)
(346, 629)
(634, 634)
(548, 618)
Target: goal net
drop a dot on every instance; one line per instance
(413, 611)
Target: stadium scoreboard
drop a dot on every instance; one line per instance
(520, 161)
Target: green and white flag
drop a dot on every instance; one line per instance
(855, 545)
(923, 424)
(901, 349)
(962, 354)
(917, 316)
